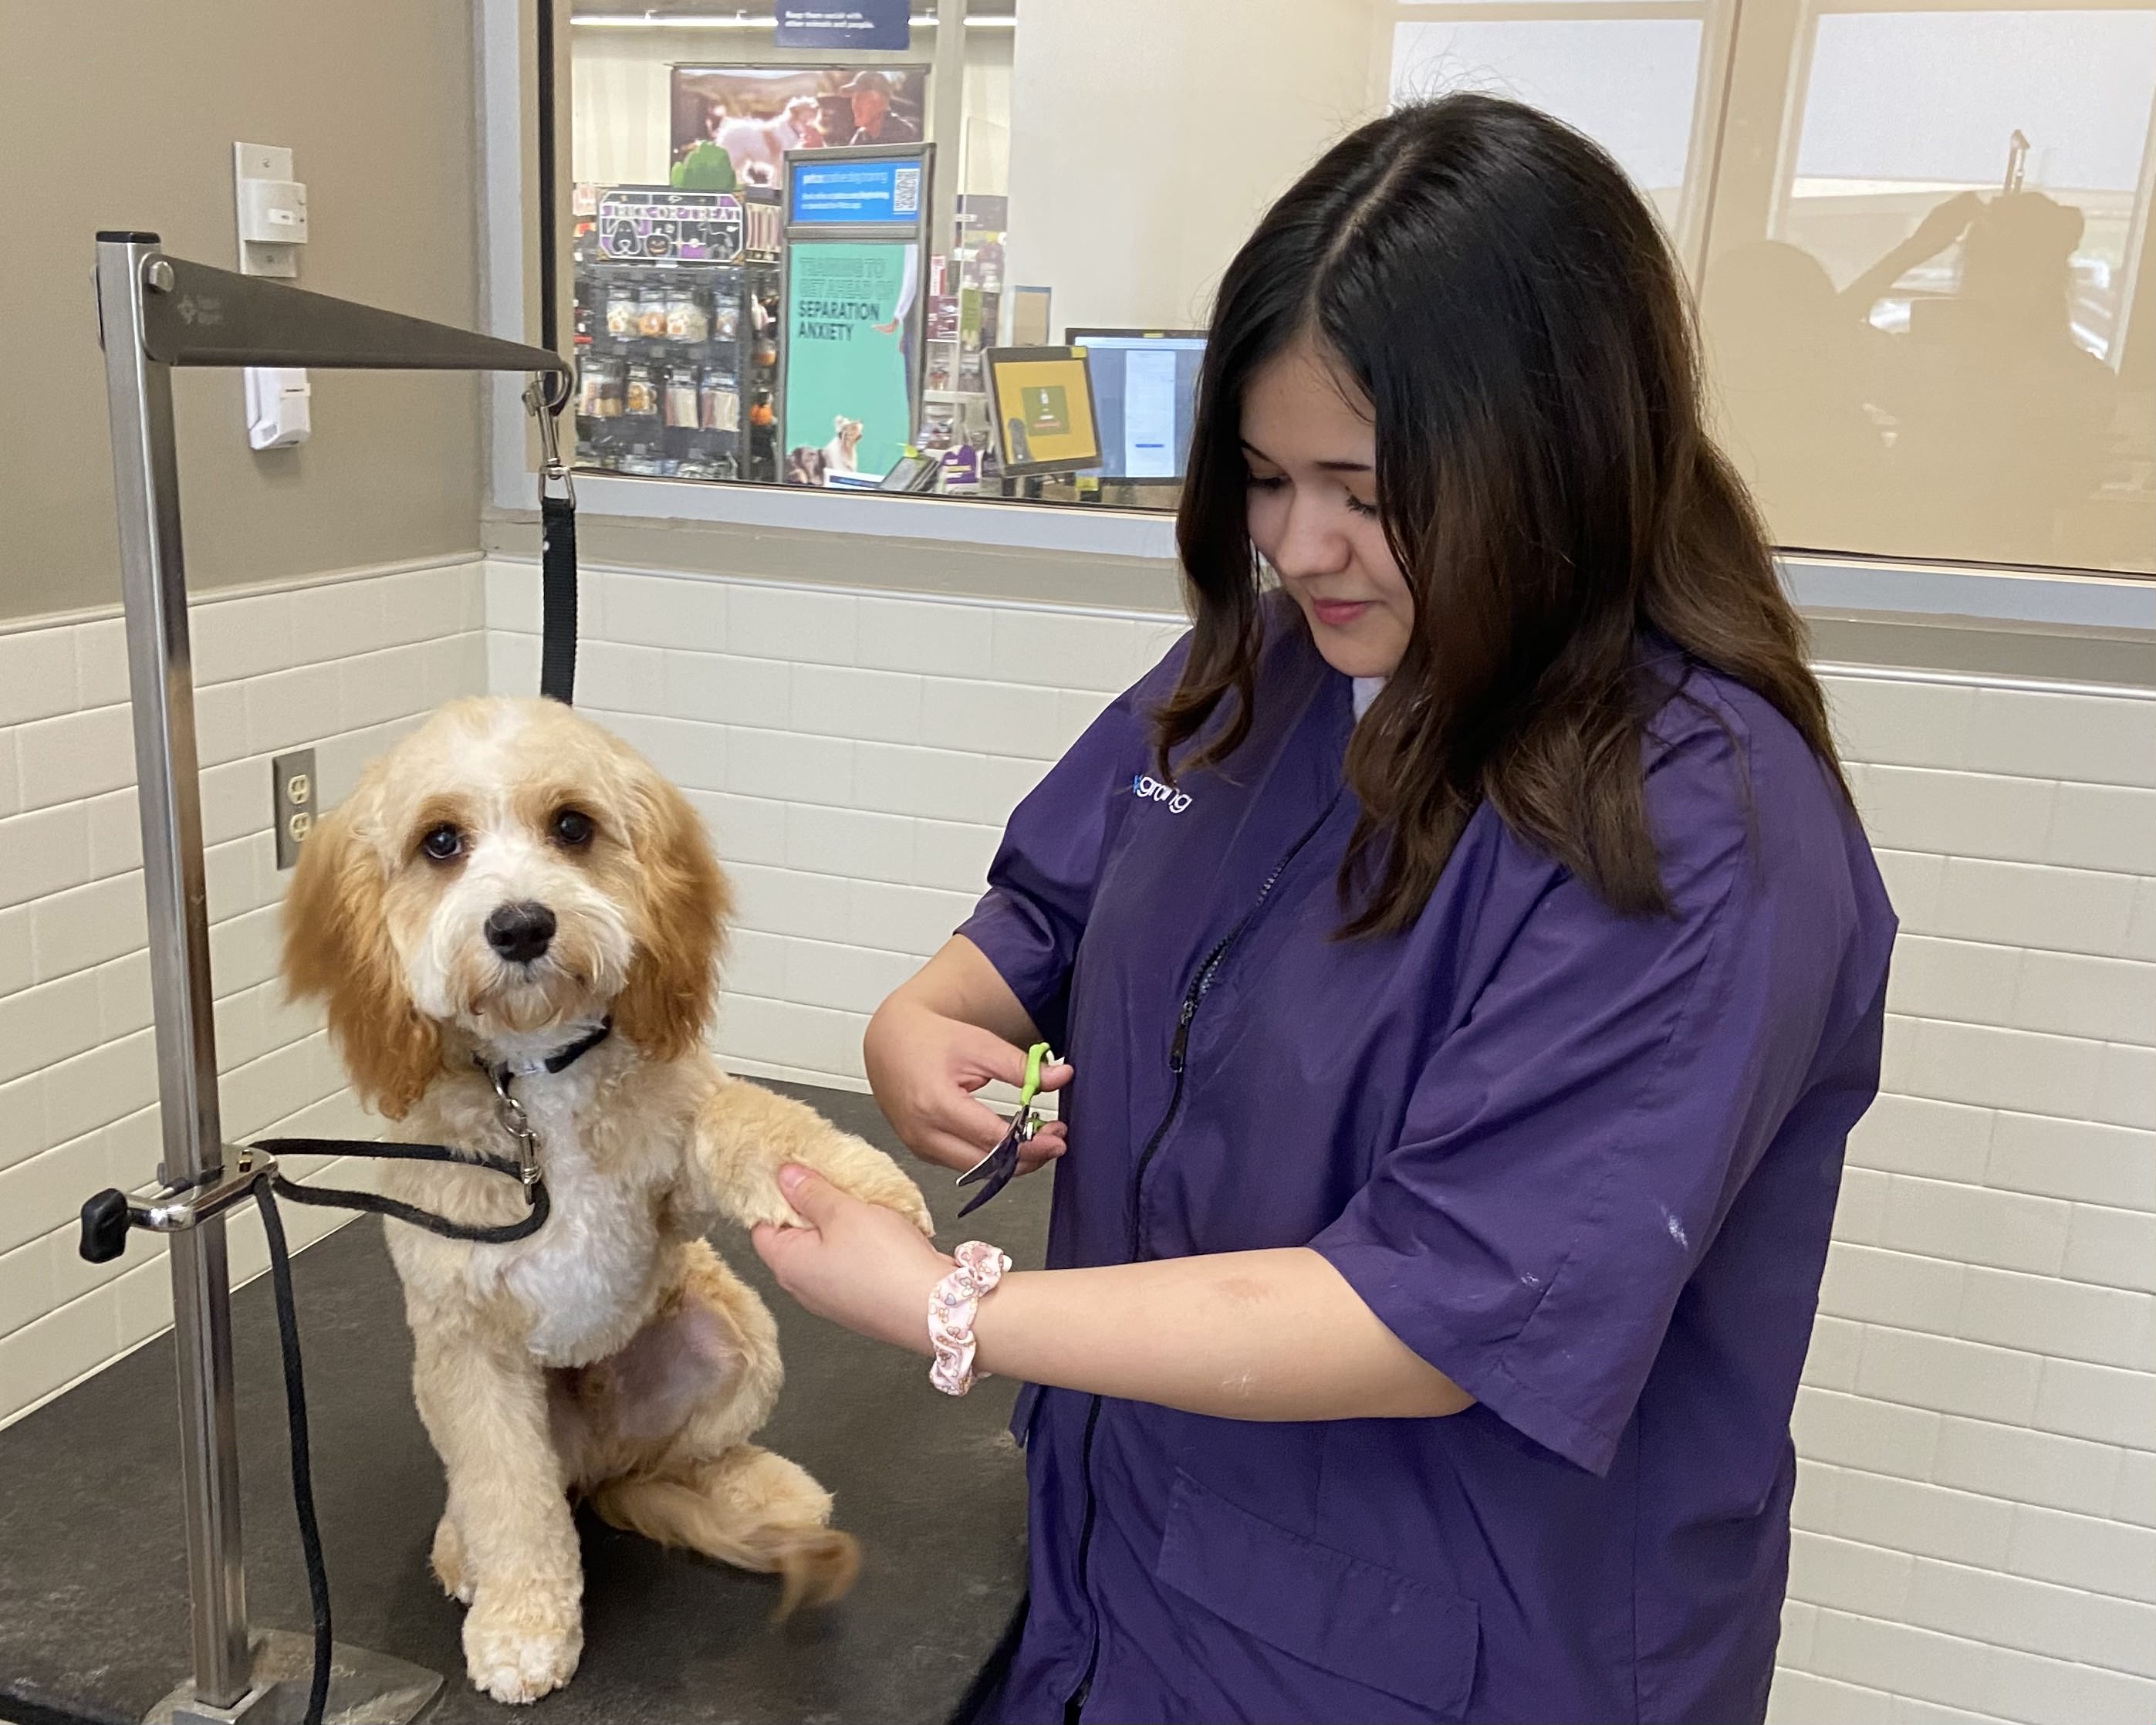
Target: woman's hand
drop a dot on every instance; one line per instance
(925, 1069)
(856, 1263)
(1945, 222)
(1262, 1335)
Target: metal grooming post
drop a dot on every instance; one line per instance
(154, 313)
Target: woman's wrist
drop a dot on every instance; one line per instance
(978, 1270)
(904, 1326)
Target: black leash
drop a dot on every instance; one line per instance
(267, 1190)
(107, 1217)
(558, 593)
(557, 548)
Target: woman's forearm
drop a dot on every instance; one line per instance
(1269, 1335)
(959, 982)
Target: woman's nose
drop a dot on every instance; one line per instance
(1310, 543)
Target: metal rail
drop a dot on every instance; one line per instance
(156, 312)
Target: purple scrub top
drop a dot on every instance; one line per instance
(1584, 1165)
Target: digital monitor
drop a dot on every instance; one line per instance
(1145, 392)
(1044, 407)
(856, 188)
(913, 473)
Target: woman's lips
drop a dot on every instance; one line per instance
(1338, 614)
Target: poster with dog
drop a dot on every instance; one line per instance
(850, 370)
(732, 126)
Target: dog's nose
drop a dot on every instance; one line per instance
(521, 932)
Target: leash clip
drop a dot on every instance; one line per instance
(518, 1125)
(552, 470)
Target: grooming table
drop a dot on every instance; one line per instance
(92, 1570)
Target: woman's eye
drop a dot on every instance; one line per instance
(444, 842)
(1356, 505)
(1267, 481)
(574, 828)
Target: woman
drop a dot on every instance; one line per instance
(1459, 1082)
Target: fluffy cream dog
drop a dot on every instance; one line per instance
(504, 883)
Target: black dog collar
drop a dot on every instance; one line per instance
(558, 1061)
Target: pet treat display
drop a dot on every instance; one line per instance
(599, 394)
(651, 311)
(705, 333)
(720, 402)
(680, 394)
(686, 319)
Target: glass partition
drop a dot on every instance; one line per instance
(1920, 237)
(1925, 266)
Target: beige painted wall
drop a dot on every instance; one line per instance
(122, 113)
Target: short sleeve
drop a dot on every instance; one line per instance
(1041, 883)
(1570, 1151)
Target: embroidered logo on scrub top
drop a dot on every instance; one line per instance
(1145, 786)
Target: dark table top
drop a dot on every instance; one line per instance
(93, 1575)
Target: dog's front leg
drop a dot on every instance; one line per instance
(484, 1406)
(745, 1134)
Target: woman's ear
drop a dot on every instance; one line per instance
(680, 923)
(337, 949)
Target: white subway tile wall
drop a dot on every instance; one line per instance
(344, 665)
(1976, 1520)
(1976, 1511)
(1976, 1432)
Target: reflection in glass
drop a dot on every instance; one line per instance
(1922, 356)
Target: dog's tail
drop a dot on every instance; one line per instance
(748, 1508)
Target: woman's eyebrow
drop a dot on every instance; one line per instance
(1252, 448)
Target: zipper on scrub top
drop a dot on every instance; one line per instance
(1201, 984)
(1075, 1707)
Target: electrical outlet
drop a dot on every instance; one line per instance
(294, 791)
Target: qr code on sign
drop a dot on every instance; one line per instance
(906, 192)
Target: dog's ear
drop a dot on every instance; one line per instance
(337, 949)
(679, 924)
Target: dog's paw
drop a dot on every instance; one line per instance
(521, 1642)
(745, 1134)
(858, 1167)
(448, 1561)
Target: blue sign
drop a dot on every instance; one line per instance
(844, 23)
(828, 190)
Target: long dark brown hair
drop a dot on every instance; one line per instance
(1504, 300)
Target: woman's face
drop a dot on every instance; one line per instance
(1311, 445)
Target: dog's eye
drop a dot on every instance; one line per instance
(574, 828)
(444, 842)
